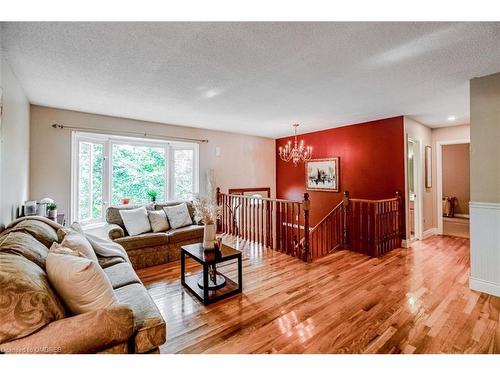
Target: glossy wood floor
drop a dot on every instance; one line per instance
(409, 301)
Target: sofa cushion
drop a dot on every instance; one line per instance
(149, 326)
(27, 302)
(106, 262)
(113, 213)
(185, 233)
(121, 274)
(143, 240)
(25, 245)
(41, 231)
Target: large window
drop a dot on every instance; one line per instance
(108, 169)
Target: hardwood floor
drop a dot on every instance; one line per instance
(408, 301)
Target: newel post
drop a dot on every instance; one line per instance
(400, 214)
(218, 198)
(306, 206)
(345, 206)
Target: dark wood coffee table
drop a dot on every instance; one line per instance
(210, 285)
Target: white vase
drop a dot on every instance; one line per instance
(209, 236)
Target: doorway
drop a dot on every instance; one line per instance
(414, 195)
(453, 190)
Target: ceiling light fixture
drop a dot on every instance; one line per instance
(298, 152)
(451, 118)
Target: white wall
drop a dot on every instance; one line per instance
(245, 161)
(14, 144)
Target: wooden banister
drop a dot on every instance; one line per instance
(372, 227)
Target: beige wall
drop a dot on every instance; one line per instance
(14, 145)
(485, 184)
(430, 137)
(485, 139)
(245, 161)
(423, 134)
(456, 175)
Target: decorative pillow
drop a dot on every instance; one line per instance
(27, 302)
(80, 282)
(158, 220)
(136, 221)
(78, 242)
(178, 216)
(60, 249)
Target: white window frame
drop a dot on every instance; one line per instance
(171, 170)
(108, 141)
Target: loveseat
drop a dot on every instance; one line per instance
(150, 249)
(34, 319)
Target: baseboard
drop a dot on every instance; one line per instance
(484, 286)
(429, 232)
(405, 244)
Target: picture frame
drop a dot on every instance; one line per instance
(428, 167)
(322, 174)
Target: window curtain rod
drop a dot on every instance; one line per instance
(136, 134)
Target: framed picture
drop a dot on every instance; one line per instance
(428, 166)
(323, 174)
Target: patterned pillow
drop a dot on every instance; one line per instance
(27, 302)
(178, 216)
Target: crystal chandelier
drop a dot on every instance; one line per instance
(298, 153)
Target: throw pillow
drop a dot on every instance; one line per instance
(178, 216)
(158, 220)
(78, 242)
(136, 221)
(60, 249)
(80, 282)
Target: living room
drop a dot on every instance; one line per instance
(248, 187)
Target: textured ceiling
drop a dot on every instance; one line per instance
(255, 78)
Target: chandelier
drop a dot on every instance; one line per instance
(298, 153)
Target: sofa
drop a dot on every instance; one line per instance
(33, 318)
(151, 249)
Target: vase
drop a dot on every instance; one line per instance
(209, 236)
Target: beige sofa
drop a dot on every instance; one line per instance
(33, 319)
(150, 249)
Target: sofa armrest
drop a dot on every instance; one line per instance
(85, 333)
(115, 231)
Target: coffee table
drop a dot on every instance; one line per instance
(210, 285)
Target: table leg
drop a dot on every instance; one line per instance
(240, 275)
(205, 284)
(183, 268)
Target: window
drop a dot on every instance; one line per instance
(107, 169)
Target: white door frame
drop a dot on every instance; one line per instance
(419, 193)
(439, 178)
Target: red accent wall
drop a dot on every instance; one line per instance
(371, 164)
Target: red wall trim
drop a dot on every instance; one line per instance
(371, 163)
